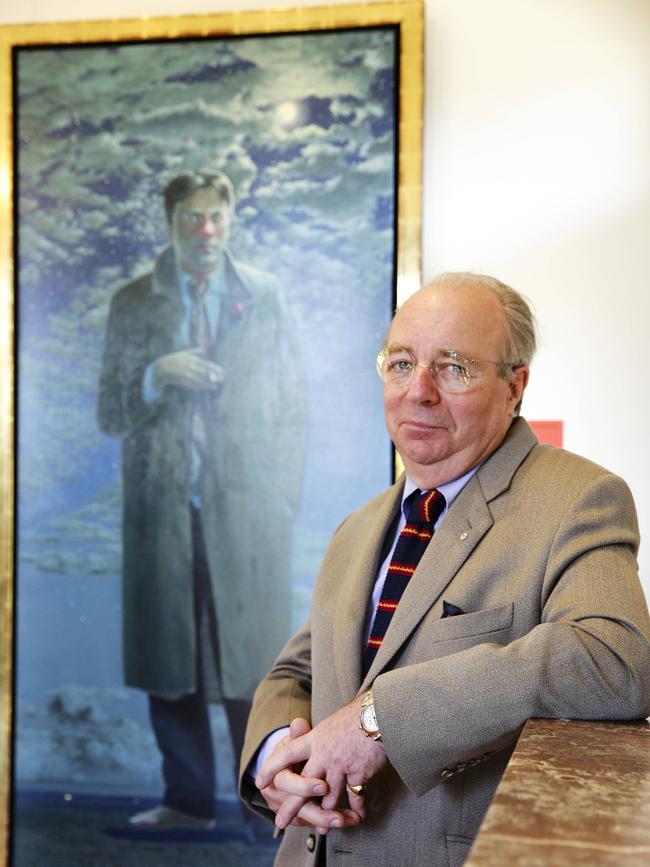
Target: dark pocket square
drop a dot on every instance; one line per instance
(450, 610)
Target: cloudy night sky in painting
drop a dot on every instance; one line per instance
(304, 125)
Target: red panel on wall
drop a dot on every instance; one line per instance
(550, 432)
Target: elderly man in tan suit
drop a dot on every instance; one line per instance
(525, 603)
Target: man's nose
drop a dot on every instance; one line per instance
(422, 387)
(207, 226)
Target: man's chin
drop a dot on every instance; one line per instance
(420, 436)
(423, 448)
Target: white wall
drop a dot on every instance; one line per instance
(537, 170)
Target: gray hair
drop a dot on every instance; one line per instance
(520, 340)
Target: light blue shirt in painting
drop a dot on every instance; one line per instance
(217, 286)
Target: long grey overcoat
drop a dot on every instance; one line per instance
(251, 480)
(539, 551)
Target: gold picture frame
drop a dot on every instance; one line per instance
(407, 16)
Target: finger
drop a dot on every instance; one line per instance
(272, 797)
(299, 726)
(295, 784)
(336, 787)
(192, 367)
(289, 809)
(357, 804)
(214, 372)
(295, 809)
(324, 820)
(351, 817)
(284, 756)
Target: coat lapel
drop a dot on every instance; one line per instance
(171, 322)
(356, 589)
(461, 530)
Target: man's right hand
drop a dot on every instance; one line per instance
(187, 368)
(288, 783)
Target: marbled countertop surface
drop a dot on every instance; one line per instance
(574, 793)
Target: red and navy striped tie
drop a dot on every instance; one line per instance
(424, 510)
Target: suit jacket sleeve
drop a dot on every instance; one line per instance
(587, 658)
(284, 695)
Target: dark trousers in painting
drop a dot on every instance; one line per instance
(182, 726)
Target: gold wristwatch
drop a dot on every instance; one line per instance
(367, 719)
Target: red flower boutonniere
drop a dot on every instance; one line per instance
(236, 309)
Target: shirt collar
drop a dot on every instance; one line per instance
(216, 284)
(450, 490)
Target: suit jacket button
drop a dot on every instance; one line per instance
(311, 843)
(447, 773)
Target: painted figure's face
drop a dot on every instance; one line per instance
(199, 231)
(440, 435)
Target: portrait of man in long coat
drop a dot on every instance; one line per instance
(202, 382)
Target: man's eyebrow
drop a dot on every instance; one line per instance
(450, 353)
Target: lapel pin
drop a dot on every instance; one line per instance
(463, 536)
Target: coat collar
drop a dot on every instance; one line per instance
(498, 470)
(165, 281)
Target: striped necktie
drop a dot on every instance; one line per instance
(423, 512)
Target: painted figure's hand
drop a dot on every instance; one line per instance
(187, 368)
(286, 783)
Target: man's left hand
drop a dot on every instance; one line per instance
(337, 751)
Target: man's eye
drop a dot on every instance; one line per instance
(400, 365)
(453, 370)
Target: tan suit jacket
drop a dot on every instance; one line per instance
(539, 550)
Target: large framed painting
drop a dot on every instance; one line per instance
(204, 223)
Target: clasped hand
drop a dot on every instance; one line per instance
(312, 763)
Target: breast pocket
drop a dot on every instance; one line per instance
(438, 636)
(474, 623)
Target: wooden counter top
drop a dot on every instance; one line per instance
(574, 793)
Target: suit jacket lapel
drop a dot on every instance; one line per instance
(356, 587)
(460, 531)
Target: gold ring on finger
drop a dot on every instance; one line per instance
(356, 790)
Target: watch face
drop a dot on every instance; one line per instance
(369, 719)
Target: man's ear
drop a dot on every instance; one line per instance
(517, 384)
